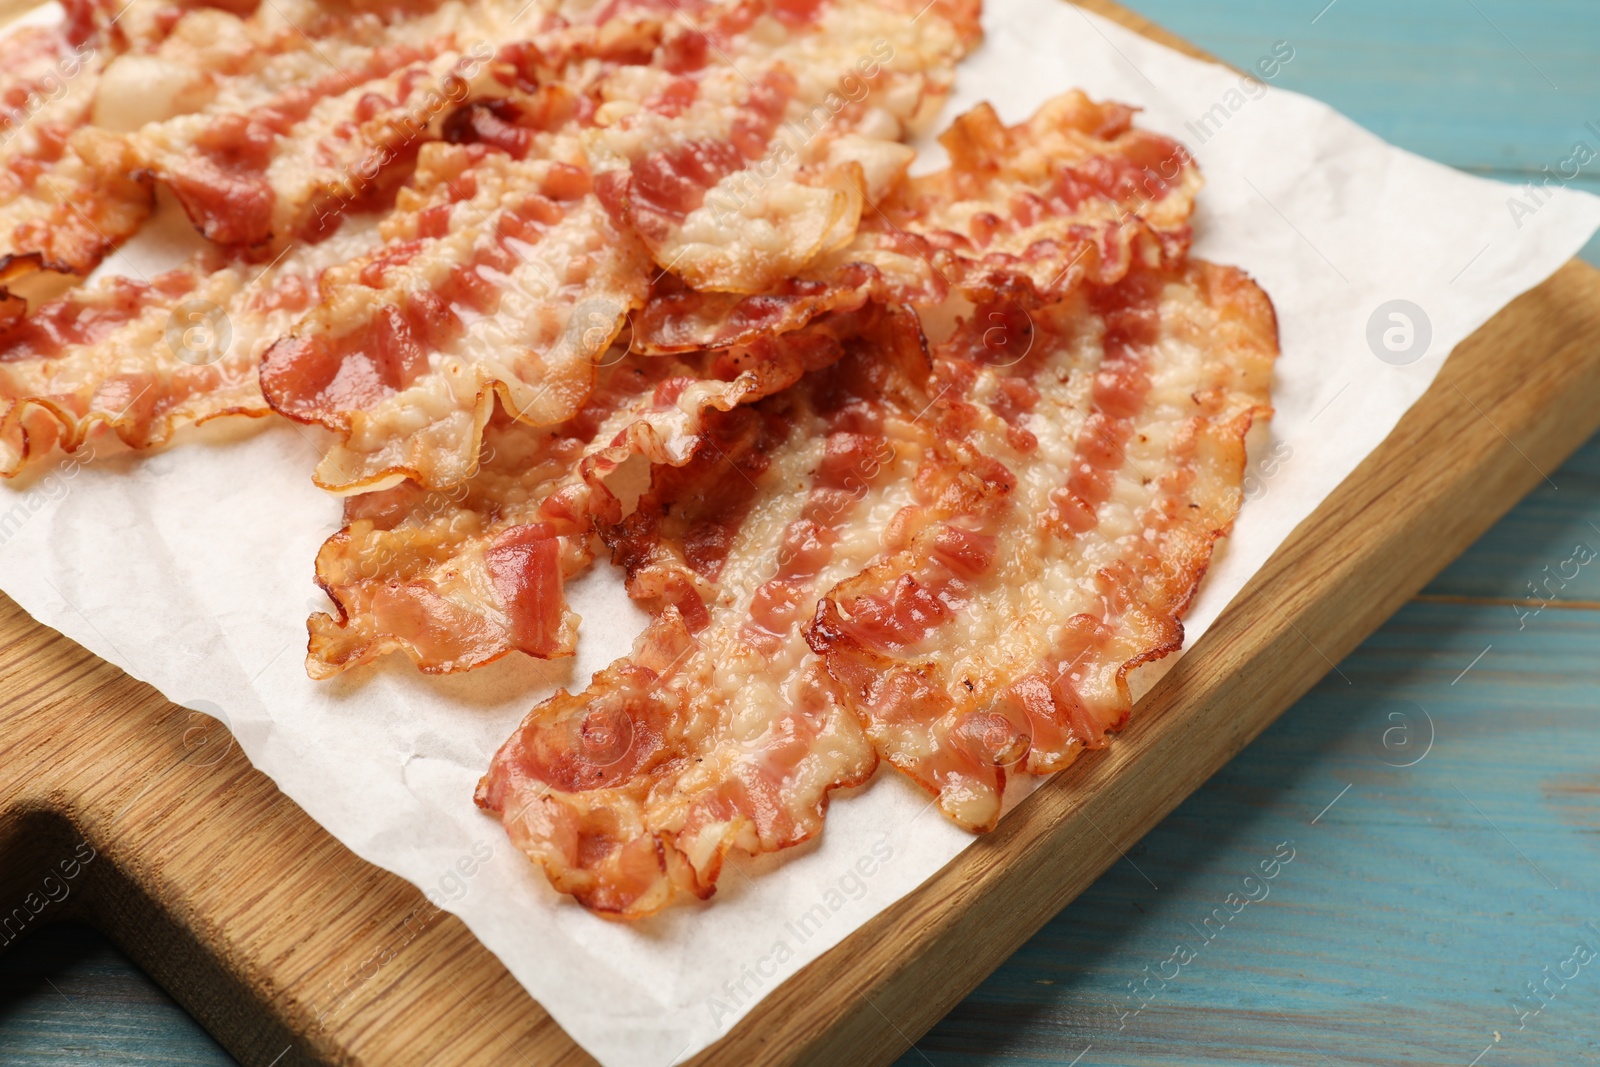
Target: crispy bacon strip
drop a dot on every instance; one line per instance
(424, 572)
(326, 112)
(1026, 213)
(1006, 615)
(676, 318)
(504, 274)
(68, 194)
(1063, 521)
(458, 578)
(316, 115)
(739, 173)
(68, 199)
(498, 276)
(721, 730)
(145, 357)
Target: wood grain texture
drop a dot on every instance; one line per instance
(1353, 563)
(1409, 928)
(1406, 923)
(286, 945)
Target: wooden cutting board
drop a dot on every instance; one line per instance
(120, 809)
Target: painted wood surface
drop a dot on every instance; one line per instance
(69, 997)
(1420, 905)
(1430, 883)
(1502, 88)
(1406, 922)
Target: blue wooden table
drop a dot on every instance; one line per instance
(1440, 801)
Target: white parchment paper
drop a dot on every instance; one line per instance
(191, 568)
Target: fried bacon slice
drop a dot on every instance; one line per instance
(508, 270)
(505, 273)
(1025, 213)
(327, 107)
(721, 730)
(318, 114)
(1028, 213)
(983, 559)
(498, 276)
(68, 194)
(457, 578)
(680, 237)
(677, 318)
(1084, 468)
(145, 357)
(739, 173)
